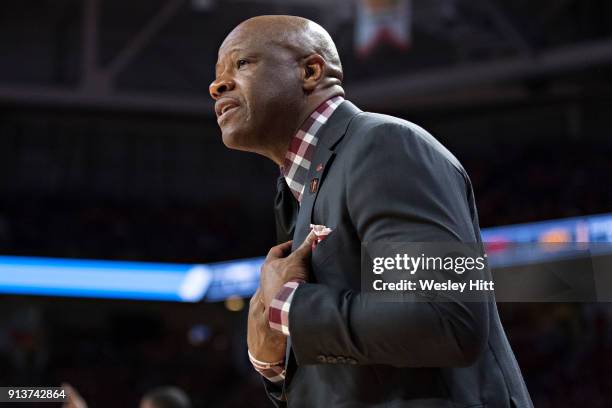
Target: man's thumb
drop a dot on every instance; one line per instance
(306, 246)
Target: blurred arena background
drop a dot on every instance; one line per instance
(109, 150)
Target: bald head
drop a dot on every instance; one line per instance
(272, 72)
(300, 36)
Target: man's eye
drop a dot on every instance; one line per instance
(242, 63)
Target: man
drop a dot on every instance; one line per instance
(315, 337)
(165, 397)
(161, 397)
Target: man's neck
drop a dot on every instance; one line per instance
(280, 153)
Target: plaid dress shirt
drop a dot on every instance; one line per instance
(295, 170)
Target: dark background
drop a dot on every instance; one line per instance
(109, 150)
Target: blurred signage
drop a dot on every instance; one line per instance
(548, 240)
(103, 279)
(382, 21)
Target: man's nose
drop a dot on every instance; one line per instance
(219, 86)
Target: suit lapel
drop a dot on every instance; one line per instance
(329, 136)
(322, 156)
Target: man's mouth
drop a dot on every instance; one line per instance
(226, 111)
(224, 108)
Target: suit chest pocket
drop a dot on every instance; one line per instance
(326, 250)
(336, 262)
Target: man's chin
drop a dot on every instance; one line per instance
(232, 141)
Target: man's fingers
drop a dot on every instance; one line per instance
(280, 250)
(70, 391)
(255, 299)
(73, 398)
(306, 248)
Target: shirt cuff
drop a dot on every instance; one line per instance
(273, 372)
(278, 316)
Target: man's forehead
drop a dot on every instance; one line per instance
(257, 32)
(254, 44)
(239, 45)
(242, 33)
(256, 38)
(230, 45)
(238, 42)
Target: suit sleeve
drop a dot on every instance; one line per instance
(402, 186)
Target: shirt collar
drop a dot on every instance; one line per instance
(301, 148)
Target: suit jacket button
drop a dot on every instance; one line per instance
(351, 361)
(331, 360)
(341, 360)
(321, 358)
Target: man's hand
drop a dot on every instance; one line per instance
(73, 398)
(265, 344)
(280, 267)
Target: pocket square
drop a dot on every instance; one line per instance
(320, 231)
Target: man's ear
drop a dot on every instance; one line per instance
(313, 68)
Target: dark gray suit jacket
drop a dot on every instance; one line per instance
(386, 179)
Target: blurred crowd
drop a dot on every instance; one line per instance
(513, 184)
(134, 231)
(127, 352)
(518, 183)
